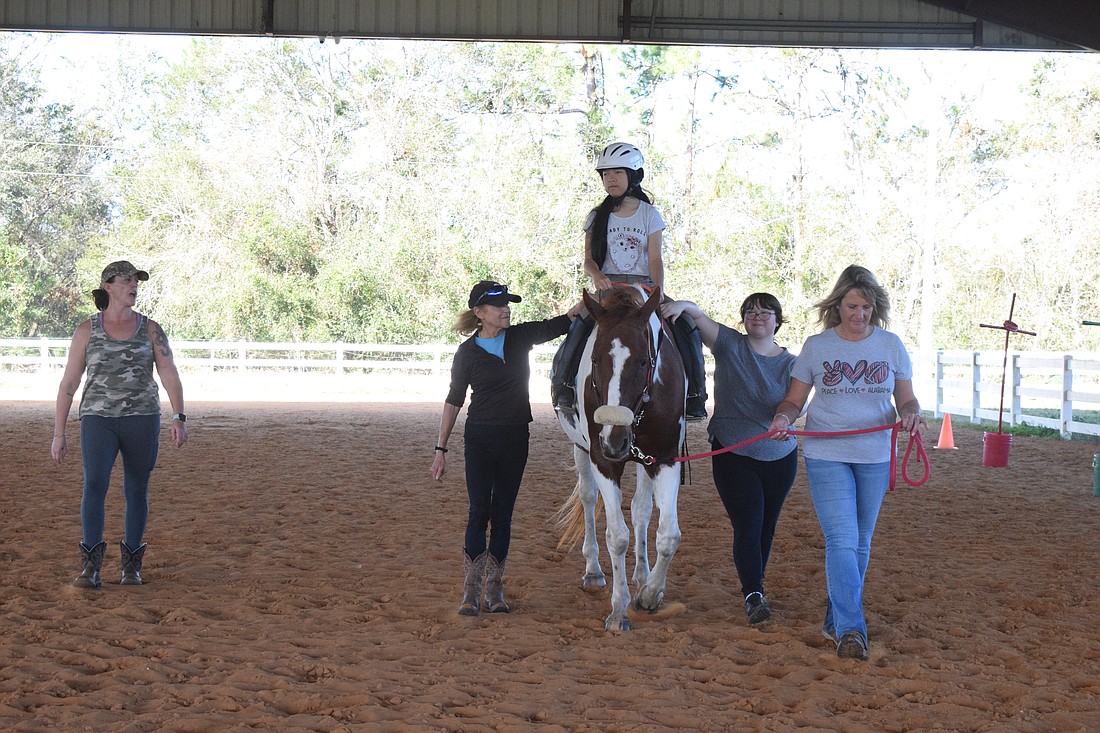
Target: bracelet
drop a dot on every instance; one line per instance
(439, 447)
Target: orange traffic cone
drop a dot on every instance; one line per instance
(947, 438)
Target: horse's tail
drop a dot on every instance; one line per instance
(569, 519)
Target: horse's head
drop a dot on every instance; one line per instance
(625, 362)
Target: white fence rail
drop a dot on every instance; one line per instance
(962, 383)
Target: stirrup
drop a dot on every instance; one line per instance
(567, 401)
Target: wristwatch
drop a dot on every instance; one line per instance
(180, 416)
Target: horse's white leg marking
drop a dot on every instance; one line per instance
(586, 488)
(666, 490)
(641, 510)
(617, 539)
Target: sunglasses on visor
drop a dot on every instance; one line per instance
(491, 293)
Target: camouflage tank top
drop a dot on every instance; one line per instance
(119, 373)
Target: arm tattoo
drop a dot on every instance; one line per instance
(161, 341)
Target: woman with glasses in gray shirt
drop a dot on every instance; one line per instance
(751, 376)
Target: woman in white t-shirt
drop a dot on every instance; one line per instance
(861, 377)
(623, 237)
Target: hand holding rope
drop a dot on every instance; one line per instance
(894, 428)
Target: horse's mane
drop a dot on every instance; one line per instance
(618, 302)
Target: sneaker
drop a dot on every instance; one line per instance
(830, 634)
(757, 608)
(852, 646)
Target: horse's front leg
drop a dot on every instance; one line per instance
(589, 493)
(617, 539)
(641, 510)
(666, 492)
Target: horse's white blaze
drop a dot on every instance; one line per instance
(619, 355)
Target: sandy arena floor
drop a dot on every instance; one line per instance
(304, 571)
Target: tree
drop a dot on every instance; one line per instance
(51, 201)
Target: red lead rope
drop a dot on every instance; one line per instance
(894, 428)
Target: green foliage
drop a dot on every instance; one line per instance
(282, 189)
(51, 203)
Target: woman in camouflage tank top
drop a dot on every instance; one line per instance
(119, 413)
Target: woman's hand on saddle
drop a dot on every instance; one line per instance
(439, 466)
(673, 309)
(601, 281)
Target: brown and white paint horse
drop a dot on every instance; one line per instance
(630, 407)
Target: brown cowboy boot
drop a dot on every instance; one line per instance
(494, 586)
(130, 564)
(92, 558)
(471, 587)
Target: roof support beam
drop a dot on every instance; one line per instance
(1071, 21)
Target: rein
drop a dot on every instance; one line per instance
(894, 428)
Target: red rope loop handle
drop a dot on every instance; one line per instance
(894, 428)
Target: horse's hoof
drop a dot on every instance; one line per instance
(622, 623)
(594, 582)
(639, 606)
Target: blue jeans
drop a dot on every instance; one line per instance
(753, 493)
(137, 437)
(847, 498)
(496, 456)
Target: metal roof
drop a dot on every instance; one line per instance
(1061, 25)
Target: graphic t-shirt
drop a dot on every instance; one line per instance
(628, 240)
(853, 385)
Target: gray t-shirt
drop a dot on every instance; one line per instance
(747, 389)
(628, 240)
(853, 385)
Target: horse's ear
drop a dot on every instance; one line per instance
(593, 305)
(654, 300)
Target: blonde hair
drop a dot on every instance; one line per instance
(858, 278)
(466, 322)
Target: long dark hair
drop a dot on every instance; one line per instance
(609, 204)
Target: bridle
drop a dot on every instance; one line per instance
(654, 349)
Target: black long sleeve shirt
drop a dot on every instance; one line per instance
(501, 393)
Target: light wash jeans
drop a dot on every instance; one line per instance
(847, 498)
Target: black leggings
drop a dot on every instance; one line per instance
(753, 493)
(496, 456)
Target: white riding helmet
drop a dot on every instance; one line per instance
(620, 155)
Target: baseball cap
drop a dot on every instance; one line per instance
(123, 268)
(490, 292)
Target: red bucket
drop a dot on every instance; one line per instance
(995, 449)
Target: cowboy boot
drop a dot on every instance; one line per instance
(92, 558)
(471, 588)
(494, 586)
(130, 563)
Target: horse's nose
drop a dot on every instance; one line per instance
(615, 444)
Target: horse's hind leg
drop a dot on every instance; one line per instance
(589, 494)
(666, 490)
